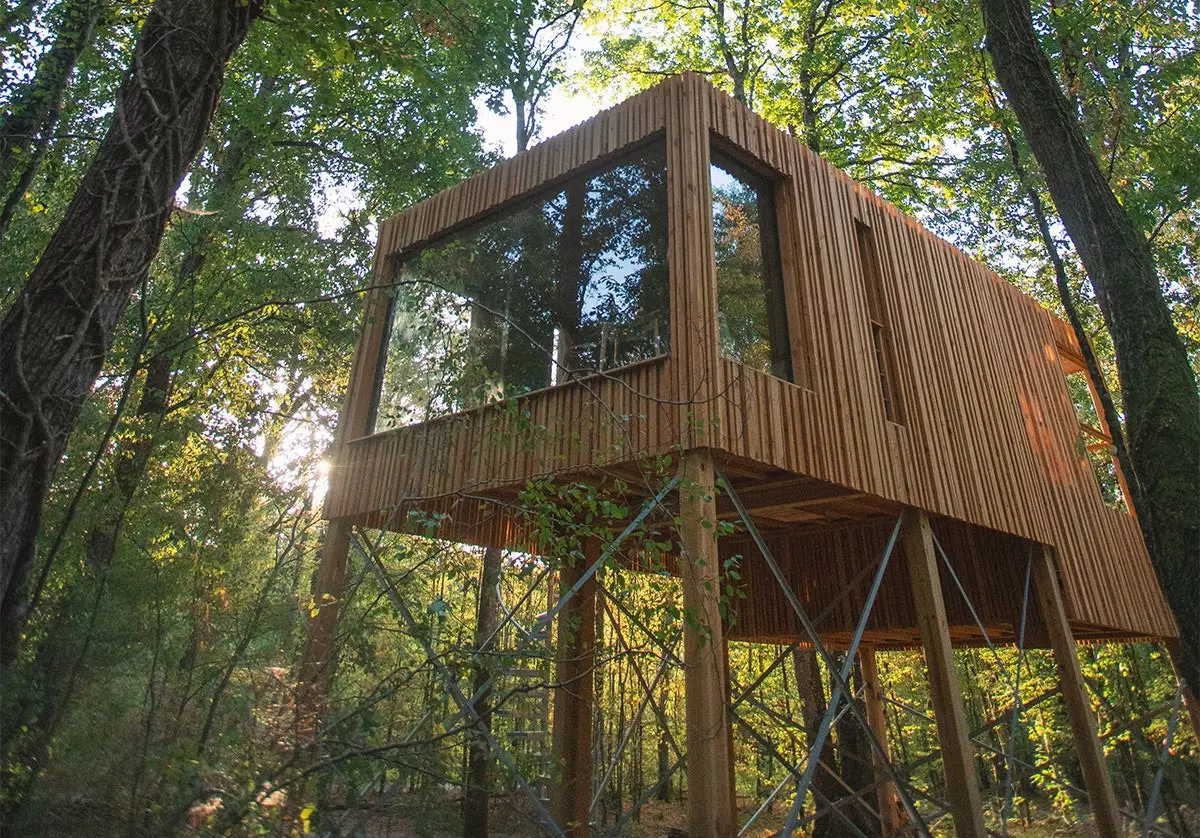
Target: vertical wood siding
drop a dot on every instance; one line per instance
(989, 435)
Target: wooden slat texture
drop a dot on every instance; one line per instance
(987, 435)
(1076, 700)
(954, 737)
(711, 806)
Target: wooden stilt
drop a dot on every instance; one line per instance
(573, 696)
(320, 657)
(1074, 693)
(966, 804)
(709, 757)
(885, 792)
(727, 694)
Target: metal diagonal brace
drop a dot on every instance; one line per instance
(810, 629)
(456, 693)
(537, 633)
(836, 693)
(813, 758)
(647, 698)
(544, 621)
(1152, 806)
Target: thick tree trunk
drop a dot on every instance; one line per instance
(28, 122)
(813, 706)
(857, 770)
(1162, 407)
(487, 618)
(224, 201)
(58, 330)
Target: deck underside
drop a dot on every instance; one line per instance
(828, 540)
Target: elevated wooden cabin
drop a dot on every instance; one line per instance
(676, 278)
(875, 367)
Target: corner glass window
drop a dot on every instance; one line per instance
(568, 285)
(750, 303)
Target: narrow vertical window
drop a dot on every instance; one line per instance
(1095, 437)
(750, 300)
(881, 338)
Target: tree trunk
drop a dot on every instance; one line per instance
(487, 618)
(1162, 406)
(224, 202)
(857, 769)
(523, 128)
(130, 462)
(32, 113)
(58, 330)
(813, 707)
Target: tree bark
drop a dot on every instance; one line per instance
(1162, 407)
(58, 330)
(29, 120)
(487, 618)
(811, 690)
(857, 769)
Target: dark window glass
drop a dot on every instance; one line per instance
(753, 317)
(573, 284)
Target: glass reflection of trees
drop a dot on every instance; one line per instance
(753, 321)
(574, 284)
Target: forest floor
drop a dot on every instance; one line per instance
(509, 819)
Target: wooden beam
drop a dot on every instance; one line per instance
(1074, 693)
(710, 801)
(573, 695)
(966, 804)
(885, 791)
(691, 262)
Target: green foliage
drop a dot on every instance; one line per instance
(156, 690)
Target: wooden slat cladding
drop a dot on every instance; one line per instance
(989, 433)
(985, 434)
(834, 567)
(600, 420)
(604, 135)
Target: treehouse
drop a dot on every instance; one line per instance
(677, 286)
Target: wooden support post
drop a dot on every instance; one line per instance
(966, 804)
(573, 697)
(710, 800)
(320, 657)
(1074, 693)
(885, 792)
(728, 695)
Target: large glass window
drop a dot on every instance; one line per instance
(572, 284)
(753, 317)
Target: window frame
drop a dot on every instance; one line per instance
(768, 186)
(1094, 440)
(879, 327)
(541, 194)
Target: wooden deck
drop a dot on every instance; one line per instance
(987, 439)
